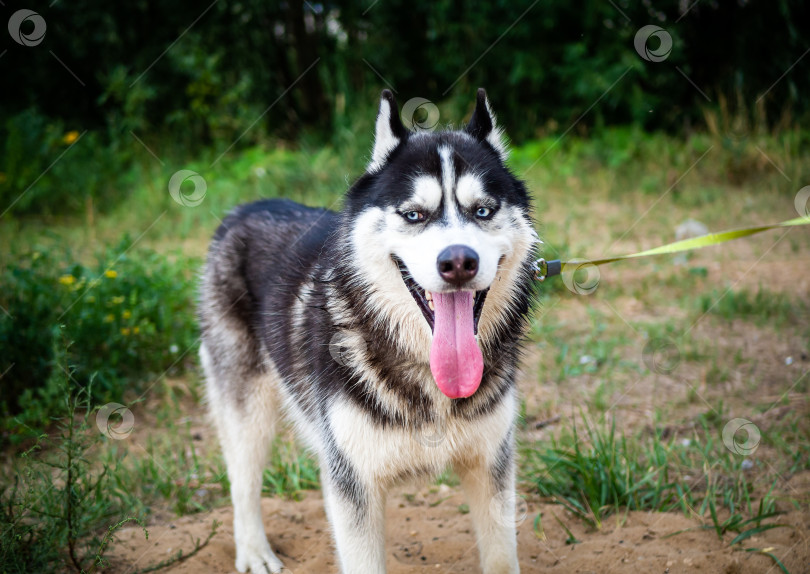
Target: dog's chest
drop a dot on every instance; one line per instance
(385, 454)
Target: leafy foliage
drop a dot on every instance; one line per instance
(545, 60)
(54, 514)
(125, 317)
(201, 75)
(60, 510)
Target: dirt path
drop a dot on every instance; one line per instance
(423, 538)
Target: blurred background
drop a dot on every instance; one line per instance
(129, 129)
(197, 76)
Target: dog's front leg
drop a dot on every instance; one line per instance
(490, 490)
(356, 511)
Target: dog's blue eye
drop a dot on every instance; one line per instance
(483, 212)
(413, 216)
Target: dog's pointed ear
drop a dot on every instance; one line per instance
(482, 125)
(388, 133)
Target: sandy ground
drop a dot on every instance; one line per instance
(422, 538)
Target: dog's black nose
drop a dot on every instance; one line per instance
(457, 264)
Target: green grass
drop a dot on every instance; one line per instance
(598, 471)
(587, 350)
(611, 164)
(179, 467)
(169, 469)
(762, 307)
(63, 504)
(190, 476)
(290, 471)
(594, 350)
(70, 492)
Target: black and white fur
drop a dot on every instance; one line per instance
(283, 282)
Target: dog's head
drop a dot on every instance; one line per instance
(440, 214)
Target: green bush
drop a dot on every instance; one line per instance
(50, 169)
(122, 320)
(56, 506)
(60, 506)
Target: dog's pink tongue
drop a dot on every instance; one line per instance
(455, 359)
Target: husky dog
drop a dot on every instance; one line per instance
(388, 332)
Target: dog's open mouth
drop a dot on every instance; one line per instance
(424, 299)
(456, 360)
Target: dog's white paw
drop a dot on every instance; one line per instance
(258, 558)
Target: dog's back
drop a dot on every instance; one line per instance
(261, 253)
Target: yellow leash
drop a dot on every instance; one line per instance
(543, 268)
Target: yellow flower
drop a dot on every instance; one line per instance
(125, 331)
(67, 279)
(136, 330)
(127, 315)
(70, 137)
(118, 300)
(109, 318)
(111, 274)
